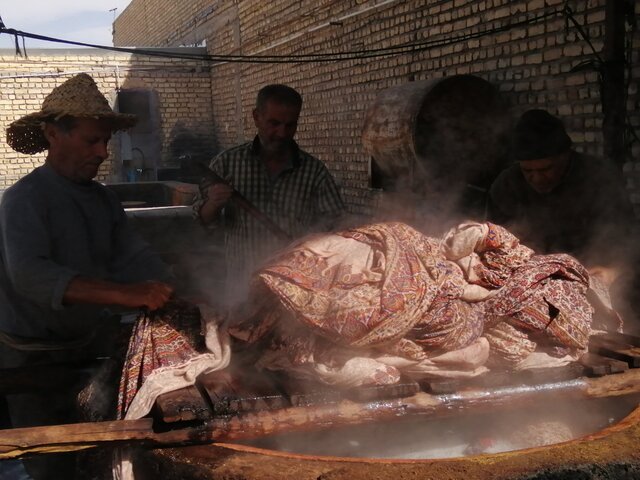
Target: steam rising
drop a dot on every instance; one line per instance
(461, 433)
(446, 185)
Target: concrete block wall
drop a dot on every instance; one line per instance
(531, 64)
(182, 89)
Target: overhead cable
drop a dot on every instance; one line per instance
(404, 48)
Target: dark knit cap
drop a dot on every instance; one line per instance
(538, 134)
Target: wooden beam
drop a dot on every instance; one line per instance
(18, 442)
(596, 365)
(616, 350)
(62, 438)
(258, 424)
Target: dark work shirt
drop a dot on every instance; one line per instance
(588, 214)
(52, 230)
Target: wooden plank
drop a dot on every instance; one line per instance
(258, 392)
(539, 376)
(219, 388)
(596, 365)
(244, 391)
(616, 350)
(18, 442)
(368, 393)
(302, 393)
(61, 438)
(182, 405)
(421, 404)
(232, 391)
(441, 386)
(622, 338)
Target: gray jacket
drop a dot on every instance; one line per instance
(52, 230)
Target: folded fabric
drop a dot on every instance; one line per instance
(388, 290)
(168, 350)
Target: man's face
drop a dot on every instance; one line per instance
(277, 124)
(78, 153)
(545, 174)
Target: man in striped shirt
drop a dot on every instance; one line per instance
(291, 187)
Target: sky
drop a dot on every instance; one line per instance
(88, 21)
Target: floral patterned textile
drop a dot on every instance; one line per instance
(388, 290)
(168, 348)
(164, 338)
(487, 253)
(546, 298)
(368, 304)
(384, 299)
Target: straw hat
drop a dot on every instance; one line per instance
(77, 97)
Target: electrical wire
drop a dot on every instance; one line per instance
(405, 48)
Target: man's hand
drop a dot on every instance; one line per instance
(218, 194)
(83, 290)
(152, 295)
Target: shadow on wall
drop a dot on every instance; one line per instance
(161, 146)
(140, 146)
(188, 147)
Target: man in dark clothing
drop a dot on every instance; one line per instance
(67, 255)
(557, 200)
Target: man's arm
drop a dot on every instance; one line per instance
(83, 290)
(28, 263)
(212, 197)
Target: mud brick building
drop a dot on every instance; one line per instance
(530, 50)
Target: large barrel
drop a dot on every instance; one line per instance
(437, 136)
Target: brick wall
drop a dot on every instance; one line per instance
(531, 65)
(182, 90)
(170, 23)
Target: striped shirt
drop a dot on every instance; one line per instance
(302, 198)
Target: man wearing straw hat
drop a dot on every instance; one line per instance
(66, 252)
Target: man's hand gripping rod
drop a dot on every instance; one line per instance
(245, 204)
